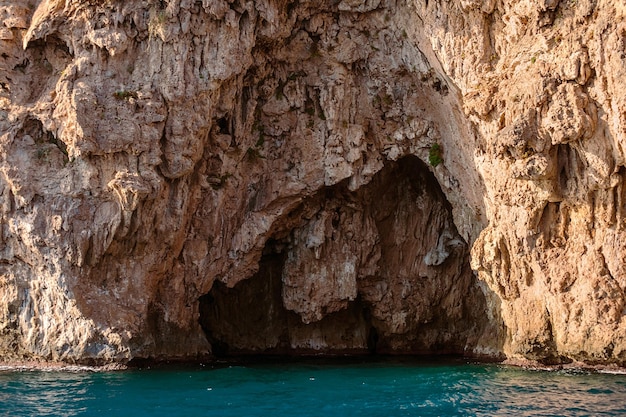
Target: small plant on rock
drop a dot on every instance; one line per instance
(253, 154)
(435, 155)
(125, 95)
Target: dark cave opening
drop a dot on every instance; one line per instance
(378, 270)
(251, 318)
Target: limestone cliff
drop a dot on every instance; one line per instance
(181, 177)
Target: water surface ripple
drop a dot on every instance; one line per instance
(313, 388)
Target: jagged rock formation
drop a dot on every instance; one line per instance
(380, 269)
(164, 160)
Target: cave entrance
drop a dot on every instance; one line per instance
(378, 270)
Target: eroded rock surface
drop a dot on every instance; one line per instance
(380, 269)
(157, 154)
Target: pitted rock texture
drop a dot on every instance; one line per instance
(155, 149)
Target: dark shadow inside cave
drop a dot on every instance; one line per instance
(378, 270)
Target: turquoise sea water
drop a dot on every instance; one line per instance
(315, 388)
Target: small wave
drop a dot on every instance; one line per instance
(612, 371)
(56, 367)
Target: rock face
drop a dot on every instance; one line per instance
(380, 269)
(180, 177)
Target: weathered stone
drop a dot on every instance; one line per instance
(152, 151)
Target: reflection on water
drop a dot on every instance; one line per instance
(387, 388)
(43, 393)
(510, 391)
